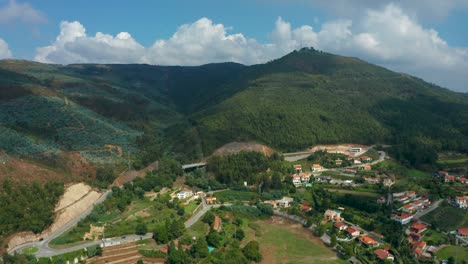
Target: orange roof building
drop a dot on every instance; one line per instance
(216, 223)
(368, 241)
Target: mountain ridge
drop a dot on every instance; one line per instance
(304, 98)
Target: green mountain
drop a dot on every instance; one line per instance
(304, 98)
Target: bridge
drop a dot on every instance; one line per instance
(193, 166)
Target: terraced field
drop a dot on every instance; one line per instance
(124, 253)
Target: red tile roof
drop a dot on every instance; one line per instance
(368, 240)
(382, 253)
(418, 226)
(339, 224)
(462, 231)
(216, 222)
(305, 208)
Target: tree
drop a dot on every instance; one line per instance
(451, 260)
(141, 229)
(200, 248)
(208, 218)
(333, 240)
(140, 261)
(213, 238)
(252, 251)
(177, 229)
(98, 250)
(276, 181)
(239, 234)
(160, 234)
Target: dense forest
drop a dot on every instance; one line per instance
(27, 207)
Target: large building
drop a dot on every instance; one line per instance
(333, 215)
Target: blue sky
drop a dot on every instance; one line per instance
(426, 38)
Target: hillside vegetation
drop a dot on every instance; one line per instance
(114, 113)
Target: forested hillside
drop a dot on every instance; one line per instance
(112, 114)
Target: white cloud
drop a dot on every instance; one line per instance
(386, 36)
(20, 12)
(74, 46)
(427, 10)
(4, 50)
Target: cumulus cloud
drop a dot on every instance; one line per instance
(4, 50)
(72, 45)
(386, 36)
(424, 9)
(20, 12)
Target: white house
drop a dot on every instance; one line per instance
(184, 194)
(285, 201)
(402, 219)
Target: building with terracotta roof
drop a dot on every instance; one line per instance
(216, 223)
(462, 231)
(418, 248)
(461, 201)
(340, 226)
(366, 158)
(210, 199)
(449, 178)
(407, 208)
(296, 179)
(443, 173)
(368, 241)
(305, 208)
(383, 254)
(316, 167)
(402, 219)
(367, 167)
(297, 168)
(354, 232)
(462, 180)
(418, 227)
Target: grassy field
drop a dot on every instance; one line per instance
(285, 242)
(458, 218)
(460, 253)
(413, 173)
(452, 159)
(230, 195)
(433, 237)
(30, 250)
(358, 193)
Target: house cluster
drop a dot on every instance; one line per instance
(354, 232)
(412, 202)
(451, 178)
(300, 178)
(374, 180)
(359, 160)
(418, 246)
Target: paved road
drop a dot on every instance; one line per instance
(198, 215)
(433, 206)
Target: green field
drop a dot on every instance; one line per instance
(286, 243)
(230, 195)
(30, 250)
(460, 253)
(447, 218)
(453, 159)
